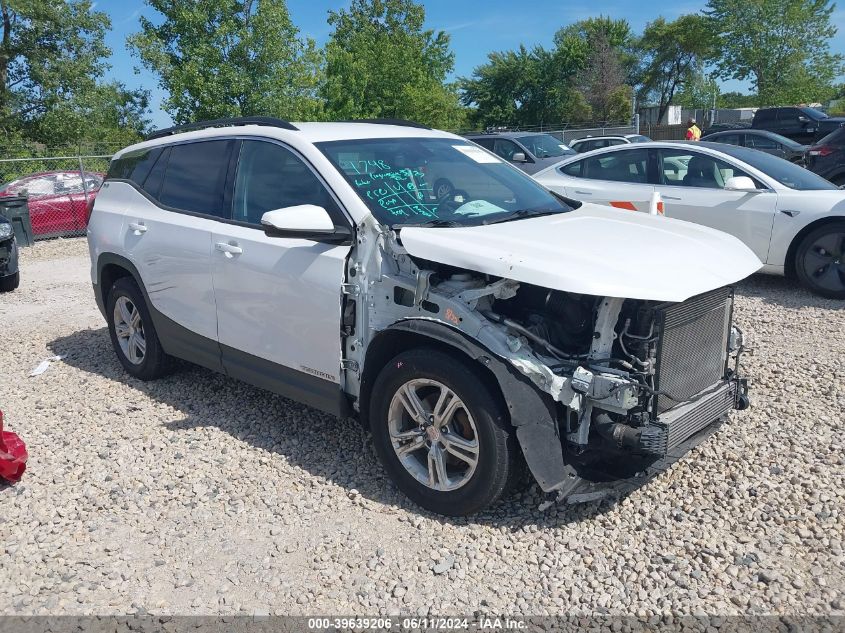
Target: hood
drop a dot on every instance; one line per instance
(594, 250)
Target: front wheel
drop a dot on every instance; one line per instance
(441, 434)
(820, 260)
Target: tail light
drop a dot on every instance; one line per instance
(88, 210)
(821, 151)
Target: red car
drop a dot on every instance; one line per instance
(57, 200)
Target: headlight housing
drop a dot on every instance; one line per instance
(5, 229)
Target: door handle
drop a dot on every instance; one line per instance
(583, 193)
(229, 250)
(669, 197)
(137, 227)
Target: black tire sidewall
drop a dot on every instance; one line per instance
(801, 252)
(152, 365)
(497, 448)
(11, 282)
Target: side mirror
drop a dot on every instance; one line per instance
(741, 183)
(305, 222)
(803, 119)
(519, 157)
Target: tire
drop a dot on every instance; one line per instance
(820, 261)
(443, 188)
(152, 363)
(9, 283)
(477, 428)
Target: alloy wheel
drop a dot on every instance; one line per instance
(824, 262)
(129, 329)
(433, 434)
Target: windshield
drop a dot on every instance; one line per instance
(786, 173)
(437, 181)
(544, 145)
(814, 114)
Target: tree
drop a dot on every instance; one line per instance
(523, 88)
(222, 58)
(51, 51)
(736, 100)
(698, 90)
(602, 82)
(382, 63)
(782, 46)
(671, 52)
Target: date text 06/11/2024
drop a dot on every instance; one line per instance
(416, 624)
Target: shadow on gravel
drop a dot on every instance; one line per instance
(333, 449)
(784, 292)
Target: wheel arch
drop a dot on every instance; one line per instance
(532, 413)
(110, 268)
(789, 261)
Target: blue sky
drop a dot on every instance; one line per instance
(475, 28)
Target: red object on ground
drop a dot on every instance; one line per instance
(13, 454)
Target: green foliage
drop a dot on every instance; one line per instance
(671, 52)
(222, 58)
(51, 51)
(582, 78)
(698, 90)
(782, 46)
(737, 100)
(382, 63)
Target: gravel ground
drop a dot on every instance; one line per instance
(198, 494)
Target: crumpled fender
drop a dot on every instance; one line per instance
(13, 455)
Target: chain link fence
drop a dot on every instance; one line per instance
(57, 184)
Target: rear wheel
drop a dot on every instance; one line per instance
(9, 283)
(133, 335)
(441, 434)
(820, 260)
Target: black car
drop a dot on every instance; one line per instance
(827, 157)
(530, 151)
(10, 275)
(768, 142)
(800, 123)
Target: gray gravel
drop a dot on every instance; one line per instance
(198, 494)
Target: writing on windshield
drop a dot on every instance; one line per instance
(402, 192)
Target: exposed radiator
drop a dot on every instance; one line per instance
(692, 348)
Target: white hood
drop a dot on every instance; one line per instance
(594, 250)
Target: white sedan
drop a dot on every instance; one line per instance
(792, 219)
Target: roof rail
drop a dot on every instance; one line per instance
(399, 122)
(243, 120)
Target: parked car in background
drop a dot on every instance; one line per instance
(792, 219)
(827, 157)
(589, 143)
(762, 140)
(799, 123)
(497, 326)
(530, 151)
(10, 275)
(58, 200)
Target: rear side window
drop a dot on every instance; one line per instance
(134, 166)
(624, 166)
(572, 169)
(484, 142)
(195, 177)
(765, 116)
(152, 185)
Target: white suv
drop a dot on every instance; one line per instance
(496, 325)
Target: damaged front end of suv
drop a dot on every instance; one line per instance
(603, 340)
(602, 391)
